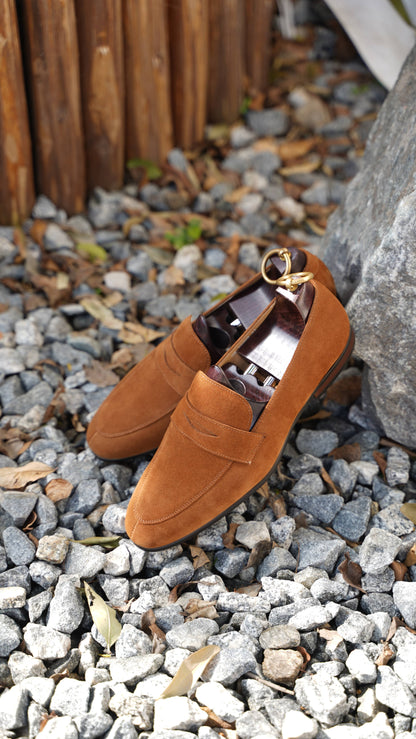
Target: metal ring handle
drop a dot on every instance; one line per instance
(292, 281)
(283, 254)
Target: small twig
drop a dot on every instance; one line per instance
(269, 684)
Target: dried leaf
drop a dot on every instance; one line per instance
(100, 374)
(252, 590)
(399, 569)
(351, 572)
(190, 671)
(228, 537)
(199, 558)
(214, 720)
(260, 550)
(385, 656)
(94, 306)
(411, 557)
(296, 149)
(327, 478)
(30, 522)
(395, 623)
(349, 452)
(16, 478)
(264, 490)
(409, 510)
(58, 489)
(159, 256)
(390, 443)
(316, 416)
(198, 608)
(306, 658)
(173, 276)
(103, 615)
(344, 391)
(309, 165)
(331, 636)
(108, 542)
(381, 461)
(277, 503)
(135, 333)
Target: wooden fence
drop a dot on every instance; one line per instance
(86, 85)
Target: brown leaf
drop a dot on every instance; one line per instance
(37, 230)
(252, 590)
(264, 490)
(173, 276)
(228, 537)
(214, 720)
(385, 656)
(301, 520)
(189, 671)
(135, 333)
(100, 374)
(295, 149)
(411, 556)
(399, 569)
(349, 452)
(390, 443)
(148, 618)
(199, 558)
(302, 167)
(381, 461)
(58, 489)
(344, 391)
(409, 510)
(197, 608)
(395, 623)
(260, 550)
(277, 504)
(327, 478)
(306, 658)
(33, 538)
(30, 522)
(56, 406)
(16, 478)
(351, 572)
(331, 636)
(321, 414)
(96, 308)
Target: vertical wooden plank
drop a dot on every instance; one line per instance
(100, 38)
(188, 37)
(149, 132)
(16, 180)
(259, 14)
(52, 72)
(226, 59)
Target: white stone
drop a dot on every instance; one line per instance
(178, 713)
(220, 700)
(296, 725)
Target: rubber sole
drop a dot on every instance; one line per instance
(330, 376)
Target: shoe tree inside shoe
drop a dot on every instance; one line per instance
(260, 360)
(223, 326)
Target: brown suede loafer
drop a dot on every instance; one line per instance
(135, 415)
(228, 432)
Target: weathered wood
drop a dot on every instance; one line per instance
(100, 38)
(226, 59)
(149, 132)
(258, 47)
(16, 180)
(188, 36)
(53, 81)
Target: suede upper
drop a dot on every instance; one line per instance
(209, 459)
(135, 415)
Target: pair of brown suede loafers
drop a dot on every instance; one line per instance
(220, 396)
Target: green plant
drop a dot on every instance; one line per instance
(184, 235)
(153, 172)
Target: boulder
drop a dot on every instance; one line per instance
(370, 247)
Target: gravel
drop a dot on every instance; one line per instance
(274, 600)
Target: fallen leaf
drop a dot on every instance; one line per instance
(108, 542)
(395, 623)
(199, 558)
(136, 333)
(159, 256)
(385, 656)
(214, 720)
(296, 149)
(260, 550)
(264, 490)
(409, 510)
(331, 635)
(93, 252)
(327, 478)
(381, 461)
(96, 308)
(306, 658)
(309, 165)
(411, 557)
(315, 227)
(58, 489)
(190, 671)
(390, 443)
(15, 478)
(198, 608)
(100, 374)
(104, 617)
(228, 537)
(351, 572)
(399, 569)
(349, 452)
(173, 276)
(321, 414)
(252, 590)
(30, 522)
(344, 391)
(277, 503)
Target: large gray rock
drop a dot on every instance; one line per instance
(370, 250)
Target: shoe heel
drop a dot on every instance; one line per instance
(336, 368)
